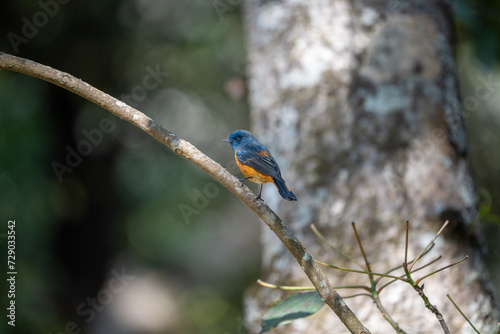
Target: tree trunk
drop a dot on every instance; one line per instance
(358, 101)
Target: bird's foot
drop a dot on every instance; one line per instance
(244, 179)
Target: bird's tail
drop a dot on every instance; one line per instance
(283, 190)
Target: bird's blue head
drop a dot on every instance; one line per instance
(240, 137)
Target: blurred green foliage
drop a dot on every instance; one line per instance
(478, 23)
(478, 54)
(485, 214)
(182, 64)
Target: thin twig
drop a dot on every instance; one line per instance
(414, 271)
(431, 307)
(386, 285)
(306, 288)
(428, 264)
(358, 295)
(188, 151)
(335, 248)
(359, 271)
(373, 285)
(463, 315)
(386, 315)
(406, 277)
(405, 264)
(285, 287)
(429, 244)
(401, 266)
(415, 286)
(361, 247)
(441, 269)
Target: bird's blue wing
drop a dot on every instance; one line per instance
(261, 160)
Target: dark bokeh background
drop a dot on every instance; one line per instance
(120, 210)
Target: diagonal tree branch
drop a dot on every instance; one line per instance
(188, 151)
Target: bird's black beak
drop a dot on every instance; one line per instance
(226, 140)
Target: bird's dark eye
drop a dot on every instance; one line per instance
(236, 138)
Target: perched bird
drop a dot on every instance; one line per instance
(256, 163)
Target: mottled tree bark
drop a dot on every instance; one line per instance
(358, 101)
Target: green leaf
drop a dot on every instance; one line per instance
(294, 307)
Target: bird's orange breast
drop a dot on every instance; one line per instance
(256, 176)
